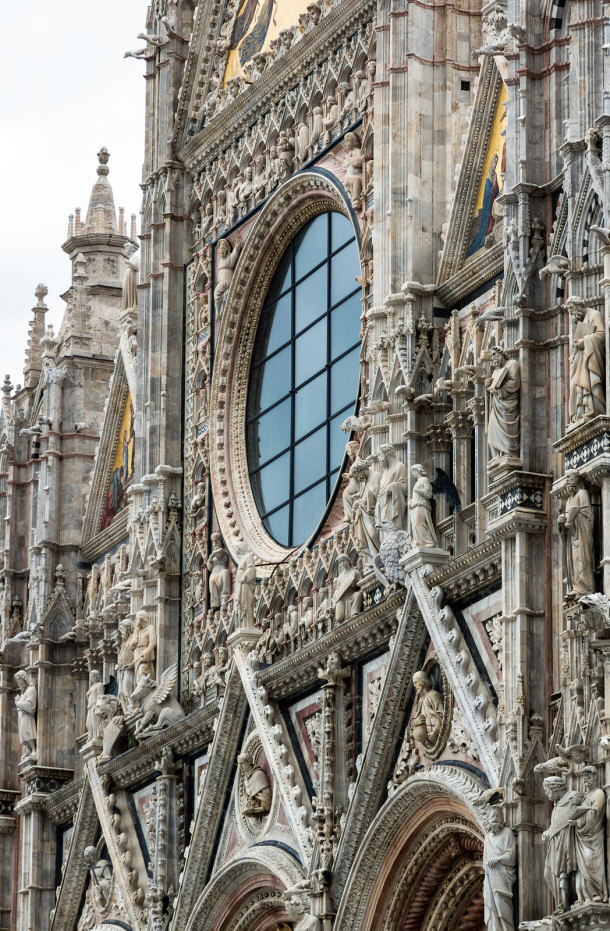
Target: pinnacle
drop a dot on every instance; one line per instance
(101, 216)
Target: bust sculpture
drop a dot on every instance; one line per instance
(257, 800)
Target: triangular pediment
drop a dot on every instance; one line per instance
(472, 251)
(106, 516)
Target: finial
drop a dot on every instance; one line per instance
(40, 293)
(103, 156)
(7, 386)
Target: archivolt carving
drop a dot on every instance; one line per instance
(295, 203)
(456, 786)
(265, 871)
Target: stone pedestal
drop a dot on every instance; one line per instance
(430, 558)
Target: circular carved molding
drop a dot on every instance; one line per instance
(299, 200)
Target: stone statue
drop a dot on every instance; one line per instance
(257, 799)
(587, 363)
(26, 704)
(503, 404)
(347, 597)
(576, 528)
(144, 645)
(100, 872)
(245, 585)
(353, 168)
(298, 906)
(499, 858)
(307, 622)
(227, 260)
(589, 840)
(219, 579)
(393, 487)
(129, 297)
(94, 694)
(429, 710)
(420, 506)
(560, 855)
(124, 666)
(364, 503)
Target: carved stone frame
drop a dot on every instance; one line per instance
(433, 751)
(300, 199)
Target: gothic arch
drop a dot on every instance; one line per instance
(247, 893)
(419, 866)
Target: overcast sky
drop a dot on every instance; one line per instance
(67, 90)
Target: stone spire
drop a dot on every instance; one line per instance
(101, 216)
(33, 352)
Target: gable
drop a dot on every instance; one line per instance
(472, 253)
(105, 522)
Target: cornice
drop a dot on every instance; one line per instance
(474, 570)
(185, 736)
(354, 638)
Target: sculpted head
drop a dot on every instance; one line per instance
(590, 779)
(224, 247)
(572, 481)
(386, 452)
(90, 856)
(422, 681)
(496, 819)
(22, 679)
(555, 787)
(417, 470)
(498, 356)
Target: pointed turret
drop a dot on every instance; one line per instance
(101, 215)
(33, 352)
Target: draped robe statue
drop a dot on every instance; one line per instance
(420, 505)
(499, 858)
(589, 840)
(587, 364)
(576, 527)
(503, 405)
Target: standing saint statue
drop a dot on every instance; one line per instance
(219, 579)
(503, 404)
(393, 487)
(499, 858)
(26, 704)
(245, 585)
(420, 505)
(144, 645)
(576, 528)
(589, 840)
(587, 363)
(227, 260)
(560, 860)
(94, 694)
(129, 297)
(364, 502)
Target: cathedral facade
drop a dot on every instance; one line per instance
(304, 617)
